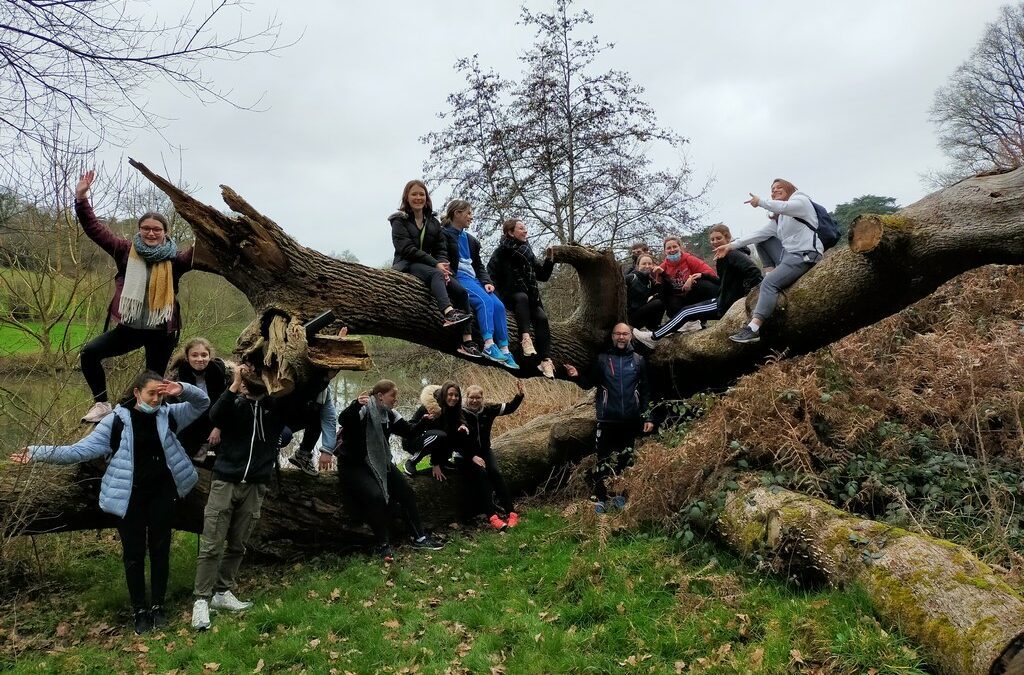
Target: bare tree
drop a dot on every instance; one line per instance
(84, 65)
(565, 146)
(980, 111)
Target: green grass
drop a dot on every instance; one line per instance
(540, 599)
(14, 341)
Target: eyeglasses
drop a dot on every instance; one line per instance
(151, 229)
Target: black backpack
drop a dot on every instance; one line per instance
(827, 229)
(117, 428)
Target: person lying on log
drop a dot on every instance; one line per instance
(199, 365)
(464, 257)
(477, 465)
(446, 432)
(737, 274)
(515, 272)
(147, 471)
(622, 398)
(685, 280)
(644, 302)
(422, 251)
(250, 424)
(787, 247)
(366, 470)
(144, 310)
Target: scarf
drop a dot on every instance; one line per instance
(378, 452)
(152, 264)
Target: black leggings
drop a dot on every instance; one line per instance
(703, 289)
(434, 278)
(367, 498)
(647, 316)
(158, 343)
(533, 320)
(612, 440)
(483, 483)
(147, 522)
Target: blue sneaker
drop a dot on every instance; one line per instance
(493, 353)
(618, 502)
(509, 361)
(599, 507)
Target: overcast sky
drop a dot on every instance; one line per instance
(832, 96)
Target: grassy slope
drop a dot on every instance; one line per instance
(543, 598)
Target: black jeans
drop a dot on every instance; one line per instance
(158, 343)
(647, 316)
(450, 294)
(532, 319)
(614, 444)
(147, 523)
(484, 483)
(358, 480)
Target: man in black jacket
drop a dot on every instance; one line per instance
(250, 425)
(622, 399)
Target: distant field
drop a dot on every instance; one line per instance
(14, 342)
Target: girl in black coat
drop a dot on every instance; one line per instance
(515, 272)
(199, 365)
(644, 303)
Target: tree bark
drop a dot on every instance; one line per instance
(937, 593)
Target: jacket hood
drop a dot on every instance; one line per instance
(427, 399)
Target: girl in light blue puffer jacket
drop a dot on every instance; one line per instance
(147, 471)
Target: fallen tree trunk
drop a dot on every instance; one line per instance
(935, 592)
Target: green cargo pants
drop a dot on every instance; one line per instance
(232, 513)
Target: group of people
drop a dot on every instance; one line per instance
(204, 406)
(689, 292)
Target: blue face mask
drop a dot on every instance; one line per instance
(142, 406)
(674, 257)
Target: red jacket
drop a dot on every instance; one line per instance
(676, 273)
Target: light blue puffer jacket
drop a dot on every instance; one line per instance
(116, 486)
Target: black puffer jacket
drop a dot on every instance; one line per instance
(481, 422)
(250, 431)
(408, 247)
(514, 269)
(737, 274)
(639, 289)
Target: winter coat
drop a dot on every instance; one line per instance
(481, 422)
(249, 432)
(116, 486)
(794, 235)
(452, 235)
(640, 287)
(620, 378)
(514, 269)
(675, 274)
(737, 274)
(118, 248)
(353, 421)
(406, 238)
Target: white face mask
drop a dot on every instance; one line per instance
(142, 406)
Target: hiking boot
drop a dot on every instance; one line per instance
(644, 337)
(493, 353)
(513, 519)
(143, 621)
(303, 464)
(690, 327)
(509, 361)
(469, 348)
(386, 554)
(599, 507)
(745, 336)
(228, 602)
(97, 412)
(526, 342)
(497, 523)
(425, 542)
(547, 368)
(156, 612)
(618, 502)
(455, 317)
(201, 614)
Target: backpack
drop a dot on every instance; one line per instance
(117, 428)
(827, 229)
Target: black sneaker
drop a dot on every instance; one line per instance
(156, 613)
(304, 464)
(469, 348)
(745, 336)
(425, 542)
(455, 317)
(143, 621)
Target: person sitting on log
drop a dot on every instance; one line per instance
(685, 280)
(479, 468)
(644, 302)
(198, 365)
(446, 431)
(515, 273)
(422, 251)
(787, 247)
(464, 257)
(737, 273)
(147, 471)
(366, 470)
(250, 422)
(310, 409)
(636, 250)
(622, 397)
(144, 310)
(418, 447)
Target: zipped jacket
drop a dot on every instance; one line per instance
(353, 420)
(623, 393)
(481, 422)
(452, 235)
(116, 486)
(249, 432)
(413, 245)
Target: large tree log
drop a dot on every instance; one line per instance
(967, 618)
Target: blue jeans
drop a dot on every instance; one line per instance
(489, 310)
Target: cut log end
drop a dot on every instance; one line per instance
(334, 352)
(866, 233)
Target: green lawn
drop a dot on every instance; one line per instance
(543, 598)
(14, 341)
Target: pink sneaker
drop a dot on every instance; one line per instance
(513, 519)
(497, 523)
(97, 412)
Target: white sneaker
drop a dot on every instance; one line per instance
(97, 412)
(689, 327)
(547, 368)
(227, 601)
(644, 337)
(201, 615)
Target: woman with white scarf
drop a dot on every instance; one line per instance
(144, 311)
